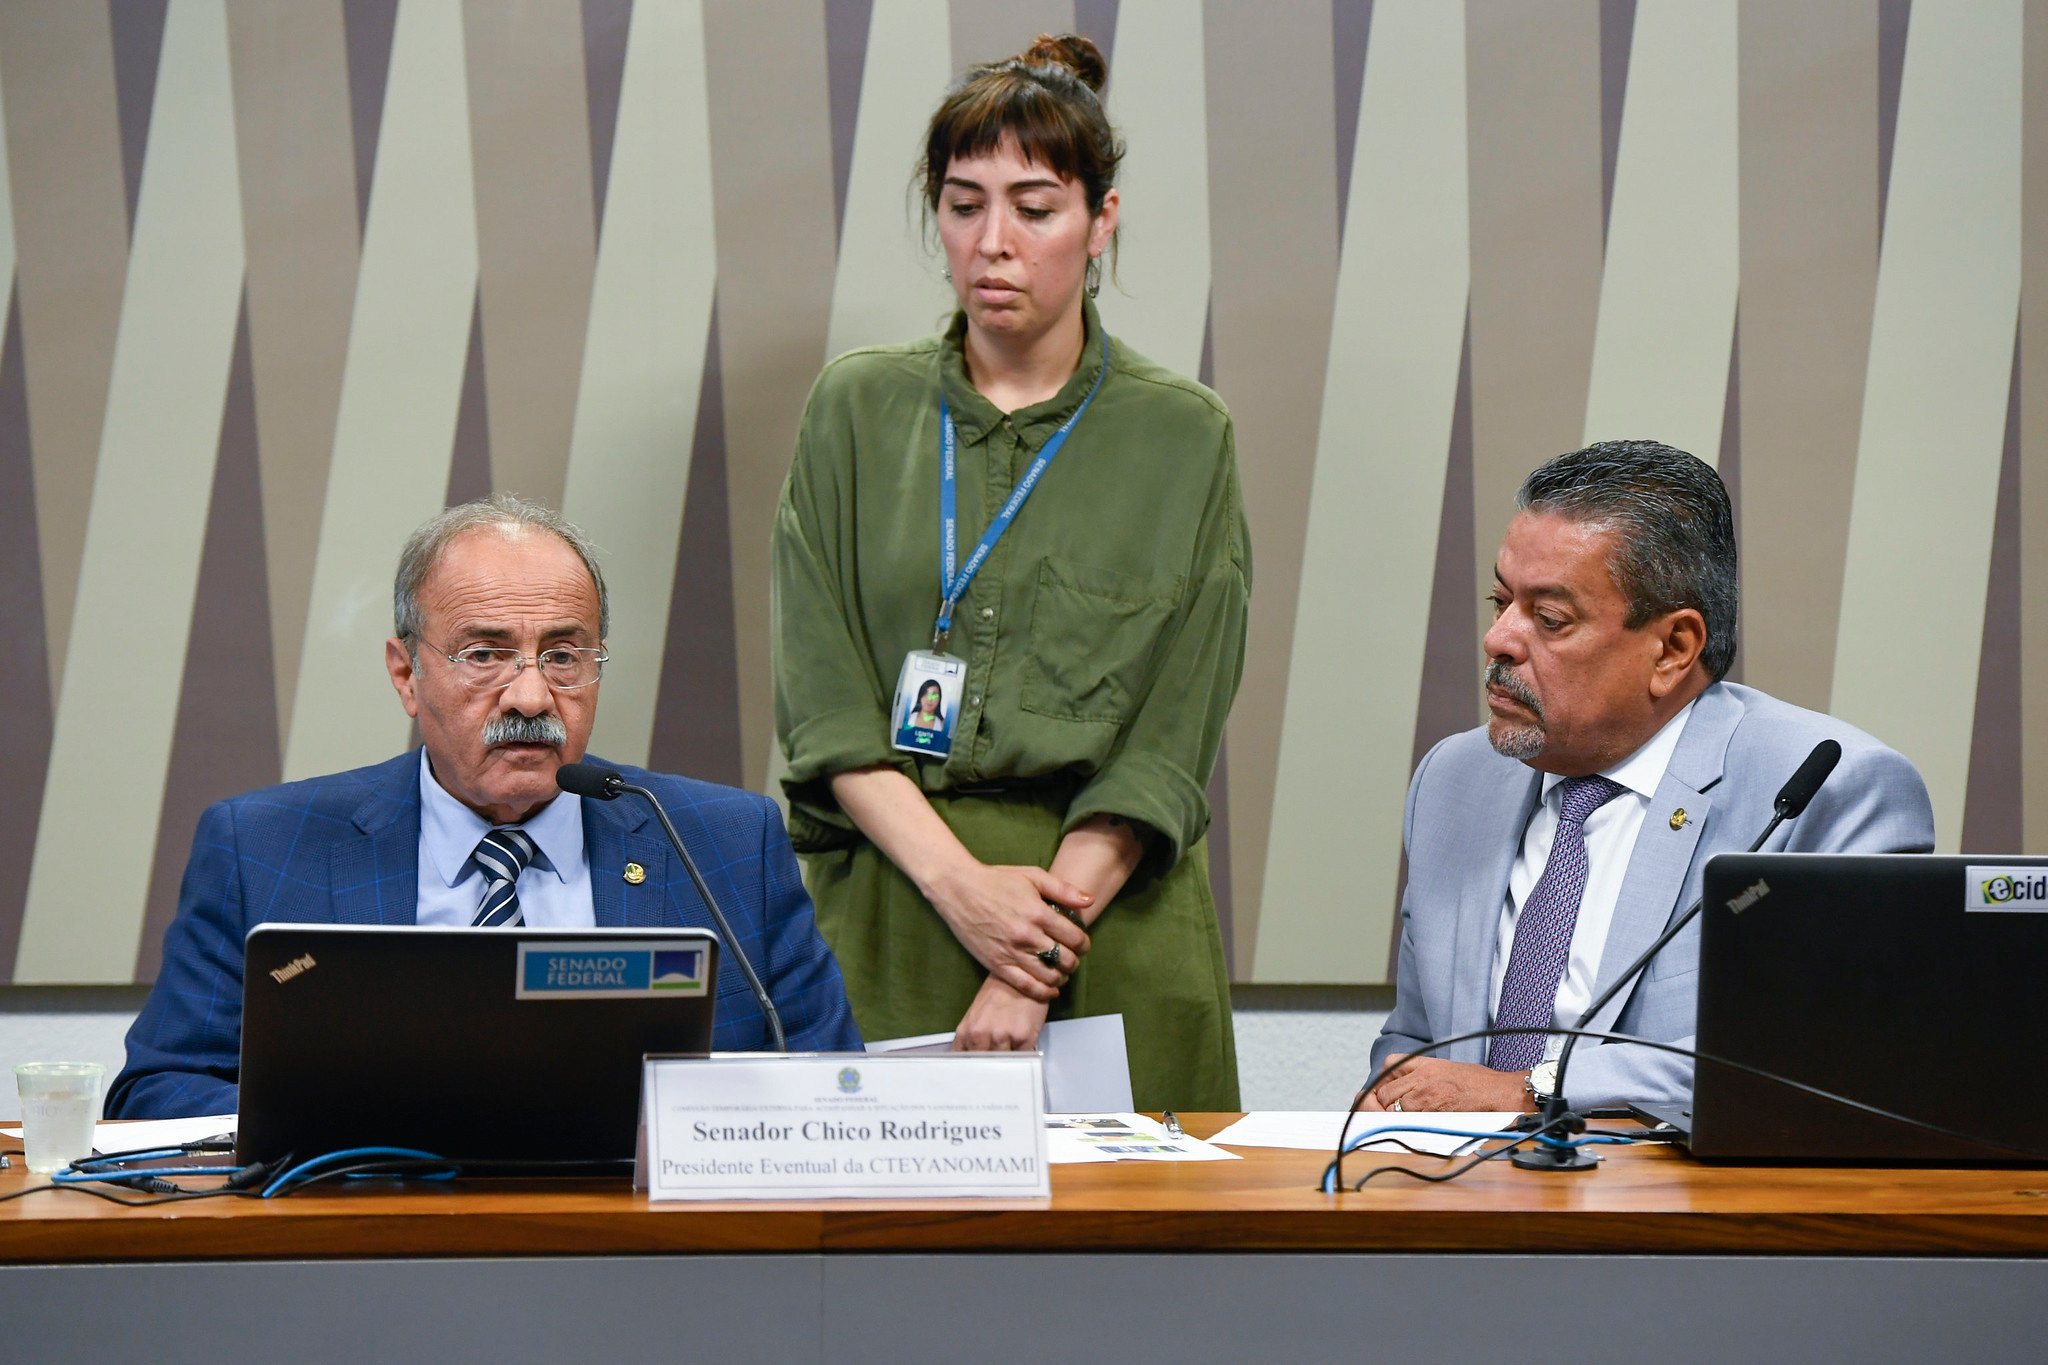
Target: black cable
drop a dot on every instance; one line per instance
(1337, 1162)
(1442, 1177)
(112, 1198)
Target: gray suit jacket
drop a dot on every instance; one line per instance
(1468, 806)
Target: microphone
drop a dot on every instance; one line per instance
(1791, 802)
(606, 784)
(1799, 789)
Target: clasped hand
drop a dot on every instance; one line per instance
(1005, 916)
(1418, 1084)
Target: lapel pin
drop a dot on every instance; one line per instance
(1678, 818)
(637, 874)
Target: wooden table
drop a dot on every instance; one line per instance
(1169, 1261)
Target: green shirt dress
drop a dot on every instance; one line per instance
(1104, 640)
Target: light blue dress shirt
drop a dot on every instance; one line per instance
(554, 891)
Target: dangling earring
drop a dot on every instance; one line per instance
(1092, 278)
(946, 273)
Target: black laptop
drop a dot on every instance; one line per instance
(1909, 983)
(481, 1045)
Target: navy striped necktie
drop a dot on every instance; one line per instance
(503, 854)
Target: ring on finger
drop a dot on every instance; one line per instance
(1050, 956)
(1395, 1108)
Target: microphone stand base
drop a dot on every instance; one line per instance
(1554, 1159)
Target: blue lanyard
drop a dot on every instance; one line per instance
(952, 583)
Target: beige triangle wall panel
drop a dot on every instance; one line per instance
(395, 430)
(1347, 736)
(643, 357)
(1935, 398)
(111, 746)
(1667, 299)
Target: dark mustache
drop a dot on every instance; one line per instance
(513, 728)
(1501, 676)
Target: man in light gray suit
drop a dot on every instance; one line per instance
(1547, 849)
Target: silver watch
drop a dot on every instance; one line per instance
(1542, 1081)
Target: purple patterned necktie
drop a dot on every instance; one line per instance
(1543, 932)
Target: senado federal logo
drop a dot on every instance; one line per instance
(2009, 889)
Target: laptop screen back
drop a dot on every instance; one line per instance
(1908, 982)
(474, 1044)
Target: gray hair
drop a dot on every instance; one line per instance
(1675, 531)
(505, 511)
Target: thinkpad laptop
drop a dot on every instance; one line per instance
(481, 1045)
(1906, 983)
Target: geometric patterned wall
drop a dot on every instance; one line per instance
(280, 279)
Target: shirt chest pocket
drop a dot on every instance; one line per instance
(1093, 634)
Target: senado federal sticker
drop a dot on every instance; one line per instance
(2010, 889)
(610, 971)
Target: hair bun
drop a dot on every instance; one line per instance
(1072, 51)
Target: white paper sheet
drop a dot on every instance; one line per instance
(1071, 1138)
(1087, 1070)
(134, 1137)
(1312, 1131)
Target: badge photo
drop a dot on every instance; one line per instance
(927, 703)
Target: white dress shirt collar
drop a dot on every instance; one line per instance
(450, 831)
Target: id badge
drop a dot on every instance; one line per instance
(927, 703)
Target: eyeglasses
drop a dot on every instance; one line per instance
(564, 668)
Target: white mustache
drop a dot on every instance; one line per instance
(513, 728)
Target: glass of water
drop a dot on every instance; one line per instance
(59, 1103)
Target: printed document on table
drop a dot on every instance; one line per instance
(1087, 1070)
(1317, 1131)
(1071, 1138)
(134, 1137)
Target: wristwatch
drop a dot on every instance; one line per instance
(1541, 1084)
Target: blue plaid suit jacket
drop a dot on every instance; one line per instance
(345, 850)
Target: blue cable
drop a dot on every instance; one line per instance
(278, 1186)
(75, 1177)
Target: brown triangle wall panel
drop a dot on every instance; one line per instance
(226, 735)
(605, 26)
(71, 238)
(138, 31)
(846, 50)
(303, 240)
(536, 233)
(370, 25)
(21, 623)
(696, 726)
(469, 462)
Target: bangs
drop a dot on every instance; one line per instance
(1044, 127)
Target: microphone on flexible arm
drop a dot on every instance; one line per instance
(606, 784)
(1792, 801)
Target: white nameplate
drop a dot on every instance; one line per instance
(845, 1126)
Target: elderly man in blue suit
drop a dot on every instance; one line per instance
(501, 615)
(1549, 848)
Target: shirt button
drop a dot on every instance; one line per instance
(988, 613)
(974, 700)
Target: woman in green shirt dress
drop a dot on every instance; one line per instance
(1050, 862)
